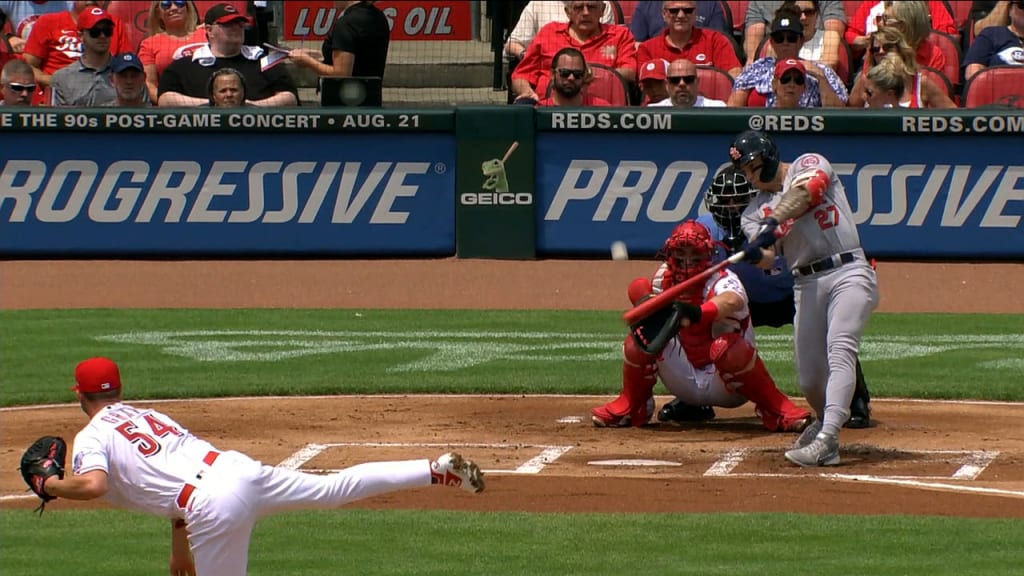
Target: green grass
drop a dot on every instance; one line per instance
(397, 542)
(374, 351)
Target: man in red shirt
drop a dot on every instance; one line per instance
(55, 41)
(682, 40)
(569, 78)
(606, 44)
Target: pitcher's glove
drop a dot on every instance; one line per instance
(43, 459)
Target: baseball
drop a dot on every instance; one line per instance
(619, 251)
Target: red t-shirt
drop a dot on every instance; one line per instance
(705, 48)
(588, 100)
(613, 46)
(55, 40)
(929, 54)
(162, 49)
(858, 25)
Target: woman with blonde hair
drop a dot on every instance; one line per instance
(884, 83)
(912, 18)
(920, 91)
(174, 31)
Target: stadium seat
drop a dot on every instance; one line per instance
(727, 13)
(628, 7)
(996, 86)
(715, 83)
(609, 84)
(738, 11)
(619, 16)
(939, 79)
(961, 13)
(951, 50)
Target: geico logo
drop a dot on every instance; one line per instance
(496, 199)
(882, 194)
(186, 191)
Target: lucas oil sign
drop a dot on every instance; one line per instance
(312, 20)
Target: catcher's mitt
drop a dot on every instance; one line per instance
(44, 458)
(653, 333)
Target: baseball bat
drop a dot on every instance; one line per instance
(511, 149)
(652, 305)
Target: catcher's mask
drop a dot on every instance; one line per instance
(726, 198)
(749, 146)
(688, 250)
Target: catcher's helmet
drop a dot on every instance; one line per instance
(750, 145)
(688, 251)
(726, 198)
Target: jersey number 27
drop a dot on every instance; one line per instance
(146, 444)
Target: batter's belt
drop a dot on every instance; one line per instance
(188, 489)
(825, 264)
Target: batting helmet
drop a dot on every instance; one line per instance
(750, 145)
(726, 198)
(688, 251)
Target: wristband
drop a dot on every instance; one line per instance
(708, 312)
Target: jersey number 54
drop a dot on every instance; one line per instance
(145, 443)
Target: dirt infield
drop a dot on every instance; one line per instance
(541, 453)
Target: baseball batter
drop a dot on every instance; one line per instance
(802, 214)
(143, 460)
(711, 360)
(770, 291)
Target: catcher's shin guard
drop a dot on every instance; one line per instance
(743, 372)
(639, 375)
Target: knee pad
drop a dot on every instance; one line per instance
(732, 355)
(639, 289)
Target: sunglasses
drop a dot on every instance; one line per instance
(566, 72)
(676, 11)
(15, 87)
(179, 3)
(794, 77)
(883, 48)
(98, 31)
(688, 79)
(786, 37)
(809, 12)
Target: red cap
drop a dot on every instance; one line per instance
(654, 70)
(96, 375)
(90, 17)
(783, 66)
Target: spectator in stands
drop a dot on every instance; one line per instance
(570, 76)
(536, 15)
(985, 13)
(915, 19)
(885, 83)
(648, 21)
(920, 91)
(820, 45)
(356, 46)
(608, 45)
(227, 89)
(55, 41)
(87, 81)
(6, 52)
(186, 81)
(684, 87)
(129, 80)
(682, 39)
(831, 18)
(17, 83)
(789, 83)
(174, 32)
(653, 76)
(22, 15)
(999, 45)
(754, 87)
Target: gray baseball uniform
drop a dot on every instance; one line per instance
(835, 289)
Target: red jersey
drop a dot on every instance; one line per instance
(613, 46)
(705, 48)
(862, 23)
(588, 100)
(930, 55)
(55, 40)
(162, 49)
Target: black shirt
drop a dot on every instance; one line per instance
(189, 77)
(362, 30)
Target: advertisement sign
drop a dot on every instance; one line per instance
(221, 194)
(311, 20)
(913, 196)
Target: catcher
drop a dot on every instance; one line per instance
(702, 346)
(140, 459)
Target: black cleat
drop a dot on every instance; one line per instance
(679, 411)
(860, 406)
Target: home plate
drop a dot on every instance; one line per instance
(633, 463)
(569, 420)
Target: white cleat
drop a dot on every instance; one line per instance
(822, 451)
(452, 469)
